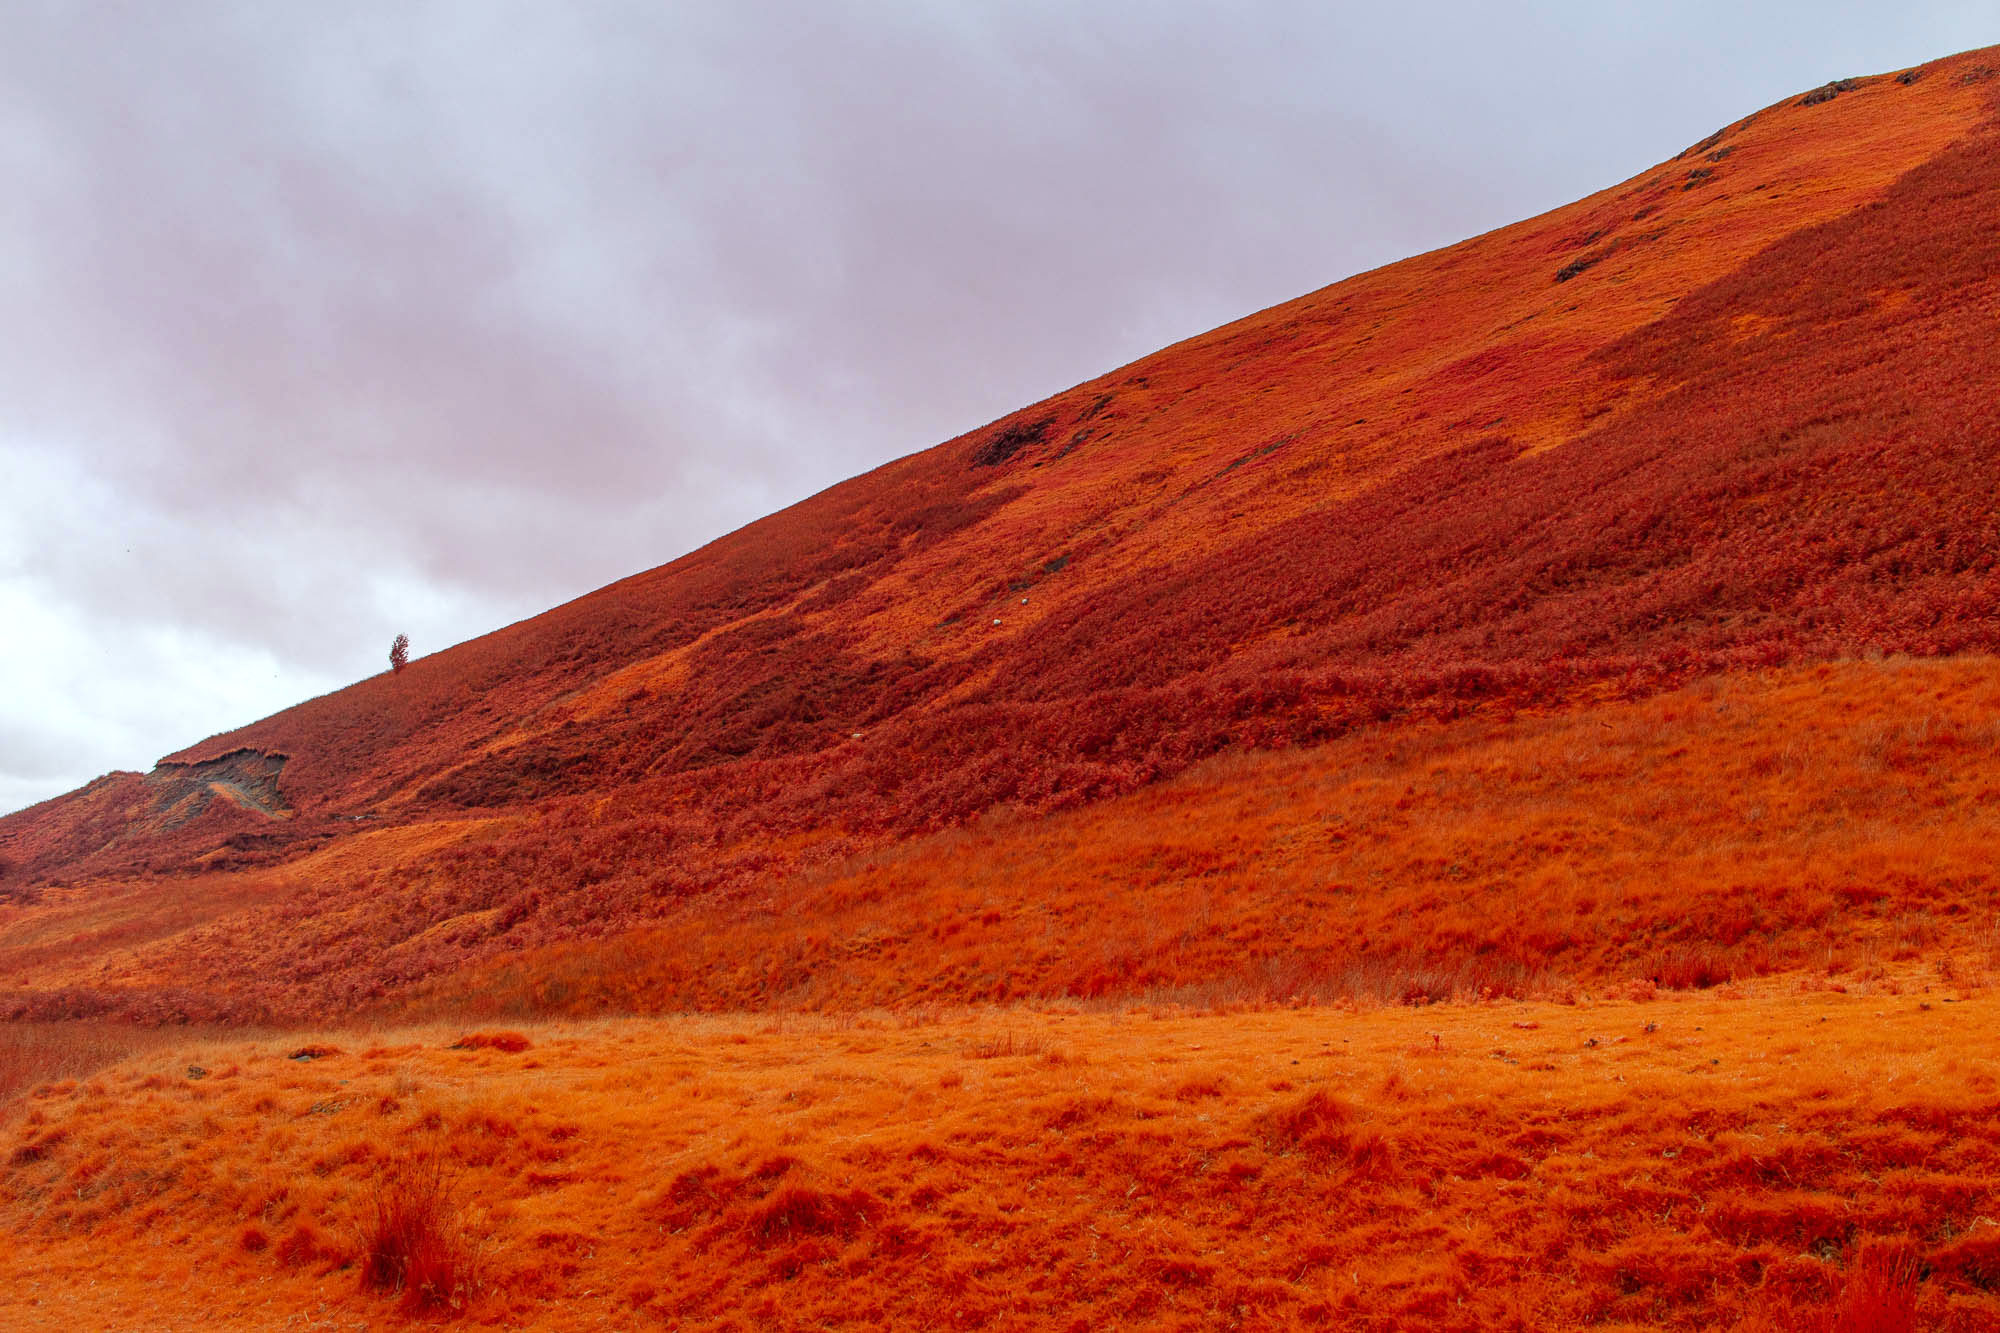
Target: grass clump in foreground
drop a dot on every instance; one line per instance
(414, 1239)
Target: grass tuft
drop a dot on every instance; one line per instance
(1881, 1294)
(414, 1240)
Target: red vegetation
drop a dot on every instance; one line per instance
(1882, 1291)
(1770, 1159)
(413, 1242)
(1829, 819)
(513, 1043)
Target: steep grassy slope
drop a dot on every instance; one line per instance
(1730, 413)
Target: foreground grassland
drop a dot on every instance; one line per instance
(1797, 1152)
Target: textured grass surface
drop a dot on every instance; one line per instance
(1834, 818)
(1759, 1158)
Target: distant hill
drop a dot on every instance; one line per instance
(1736, 413)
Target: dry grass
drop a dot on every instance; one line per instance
(1760, 1158)
(1831, 818)
(1883, 1288)
(511, 1042)
(414, 1242)
(35, 1054)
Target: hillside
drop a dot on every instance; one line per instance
(1464, 801)
(1727, 415)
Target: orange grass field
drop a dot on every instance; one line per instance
(1467, 800)
(1767, 1156)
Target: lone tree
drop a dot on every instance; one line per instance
(399, 653)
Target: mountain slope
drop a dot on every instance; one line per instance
(1732, 413)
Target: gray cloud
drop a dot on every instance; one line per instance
(326, 322)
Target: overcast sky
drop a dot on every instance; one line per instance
(323, 322)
